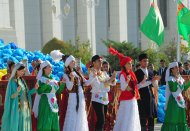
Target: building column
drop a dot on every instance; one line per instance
(7, 20)
(32, 25)
(4, 14)
(118, 20)
(57, 21)
(86, 24)
(20, 23)
(51, 20)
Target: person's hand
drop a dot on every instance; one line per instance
(78, 68)
(63, 80)
(18, 89)
(36, 86)
(155, 78)
(114, 74)
(145, 78)
(94, 73)
(47, 81)
(72, 76)
(128, 77)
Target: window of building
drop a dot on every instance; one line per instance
(163, 10)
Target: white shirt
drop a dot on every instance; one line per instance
(123, 83)
(99, 91)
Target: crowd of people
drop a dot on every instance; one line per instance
(137, 109)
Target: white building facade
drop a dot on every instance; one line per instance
(32, 23)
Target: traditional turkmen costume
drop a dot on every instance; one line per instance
(47, 109)
(146, 103)
(175, 118)
(99, 92)
(76, 115)
(128, 113)
(17, 107)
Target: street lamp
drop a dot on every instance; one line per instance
(58, 14)
(66, 9)
(53, 7)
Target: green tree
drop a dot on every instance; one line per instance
(80, 50)
(56, 44)
(155, 57)
(125, 48)
(170, 51)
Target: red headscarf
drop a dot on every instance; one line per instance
(123, 60)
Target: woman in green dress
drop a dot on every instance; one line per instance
(175, 118)
(47, 107)
(17, 108)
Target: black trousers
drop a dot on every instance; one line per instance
(147, 123)
(101, 111)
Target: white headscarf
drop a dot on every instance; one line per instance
(17, 66)
(171, 65)
(56, 55)
(42, 66)
(68, 60)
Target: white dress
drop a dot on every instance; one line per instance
(75, 121)
(128, 114)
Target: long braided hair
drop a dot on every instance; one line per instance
(67, 71)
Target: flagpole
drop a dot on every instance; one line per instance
(178, 44)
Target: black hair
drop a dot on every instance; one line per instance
(95, 57)
(162, 60)
(138, 65)
(171, 72)
(143, 56)
(64, 57)
(180, 64)
(105, 62)
(10, 64)
(43, 70)
(21, 67)
(186, 63)
(38, 67)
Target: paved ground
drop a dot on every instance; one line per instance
(157, 127)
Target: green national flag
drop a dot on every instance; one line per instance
(153, 26)
(186, 18)
(183, 29)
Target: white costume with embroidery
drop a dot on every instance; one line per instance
(75, 121)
